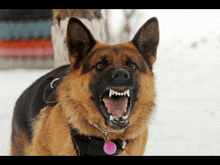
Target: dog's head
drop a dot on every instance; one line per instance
(112, 82)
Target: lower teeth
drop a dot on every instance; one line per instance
(118, 119)
(111, 117)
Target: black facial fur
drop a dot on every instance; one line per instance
(106, 80)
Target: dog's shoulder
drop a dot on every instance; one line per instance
(32, 99)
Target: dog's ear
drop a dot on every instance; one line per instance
(79, 41)
(146, 40)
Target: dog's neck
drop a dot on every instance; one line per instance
(104, 132)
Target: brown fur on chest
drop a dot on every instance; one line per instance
(84, 97)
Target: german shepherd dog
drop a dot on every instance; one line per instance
(99, 104)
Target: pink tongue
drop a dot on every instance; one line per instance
(116, 107)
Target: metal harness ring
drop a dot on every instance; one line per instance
(51, 84)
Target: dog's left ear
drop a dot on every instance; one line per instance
(146, 40)
(79, 41)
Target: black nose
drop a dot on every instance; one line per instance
(120, 74)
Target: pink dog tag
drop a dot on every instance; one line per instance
(110, 148)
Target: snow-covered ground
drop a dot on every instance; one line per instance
(186, 119)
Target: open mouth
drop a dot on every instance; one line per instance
(116, 106)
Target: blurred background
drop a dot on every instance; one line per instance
(25, 38)
(187, 72)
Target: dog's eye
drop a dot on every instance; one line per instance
(100, 66)
(132, 66)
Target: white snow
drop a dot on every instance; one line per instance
(186, 119)
(12, 84)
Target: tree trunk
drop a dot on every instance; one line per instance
(93, 20)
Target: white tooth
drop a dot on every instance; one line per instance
(127, 92)
(110, 93)
(113, 92)
(125, 117)
(111, 117)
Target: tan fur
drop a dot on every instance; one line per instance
(52, 133)
(75, 108)
(81, 111)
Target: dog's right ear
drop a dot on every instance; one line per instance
(79, 41)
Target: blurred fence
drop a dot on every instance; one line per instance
(25, 38)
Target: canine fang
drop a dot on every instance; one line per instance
(116, 93)
(112, 118)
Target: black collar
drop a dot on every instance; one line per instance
(84, 145)
(93, 146)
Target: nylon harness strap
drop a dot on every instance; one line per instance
(84, 145)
